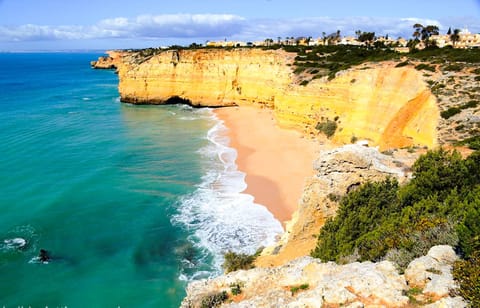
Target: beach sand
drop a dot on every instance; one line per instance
(276, 161)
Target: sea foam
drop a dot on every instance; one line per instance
(221, 217)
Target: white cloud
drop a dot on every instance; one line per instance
(216, 26)
(144, 26)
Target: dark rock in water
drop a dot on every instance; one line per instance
(44, 256)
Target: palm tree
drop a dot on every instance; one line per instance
(455, 36)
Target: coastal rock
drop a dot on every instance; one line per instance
(365, 284)
(328, 283)
(432, 272)
(391, 107)
(336, 172)
(103, 63)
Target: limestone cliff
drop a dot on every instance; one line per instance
(391, 107)
(337, 171)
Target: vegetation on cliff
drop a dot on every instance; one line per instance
(440, 205)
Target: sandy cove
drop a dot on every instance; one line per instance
(276, 161)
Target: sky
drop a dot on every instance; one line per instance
(108, 24)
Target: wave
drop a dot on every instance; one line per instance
(219, 217)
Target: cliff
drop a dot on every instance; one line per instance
(391, 107)
(336, 172)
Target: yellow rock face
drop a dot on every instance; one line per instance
(391, 107)
(215, 77)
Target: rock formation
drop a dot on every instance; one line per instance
(307, 282)
(336, 172)
(391, 107)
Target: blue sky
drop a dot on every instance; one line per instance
(59, 25)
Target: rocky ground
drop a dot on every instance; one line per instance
(307, 282)
(457, 88)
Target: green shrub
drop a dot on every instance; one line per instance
(214, 299)
(440, 205)
(426, 67)
(327, 127)
(236, 288)
(450, 112)
(295, 289)
(472, 142)
(237, 261)
(470, 104)
(401, 64)
(467, 274)
(455, 67)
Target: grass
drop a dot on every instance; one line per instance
(295, 289)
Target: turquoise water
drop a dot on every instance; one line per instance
(131, 202)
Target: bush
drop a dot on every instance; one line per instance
(214, 299)
(456, 67)
(236, 289)
(467, 274)
(295, 289)
(450, 112)
(401, 64)
(237, 261)
(423, 66)
(327, 127)
(472, 142)
(440, 205)
(470, 104)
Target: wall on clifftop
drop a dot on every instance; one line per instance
(391, 107)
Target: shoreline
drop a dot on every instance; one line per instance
(276, 161)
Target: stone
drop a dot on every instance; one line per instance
(448, 302)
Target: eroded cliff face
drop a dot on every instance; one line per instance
(206, 77)
(391, 107)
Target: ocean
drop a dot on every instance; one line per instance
(131, 202)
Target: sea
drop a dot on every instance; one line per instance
(130, 202)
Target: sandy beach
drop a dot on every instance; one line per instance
(276, 161)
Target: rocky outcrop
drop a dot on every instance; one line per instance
(111, 61)
(391, 107)
(307, 282)
(432, 273)
(336, 172)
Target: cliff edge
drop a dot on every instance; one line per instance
(389, 106)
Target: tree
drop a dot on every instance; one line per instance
(268, 42)
(367, 37)
(424, 33)
(455, 36)
(449, 31)
(358, 33)
(418, 31)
